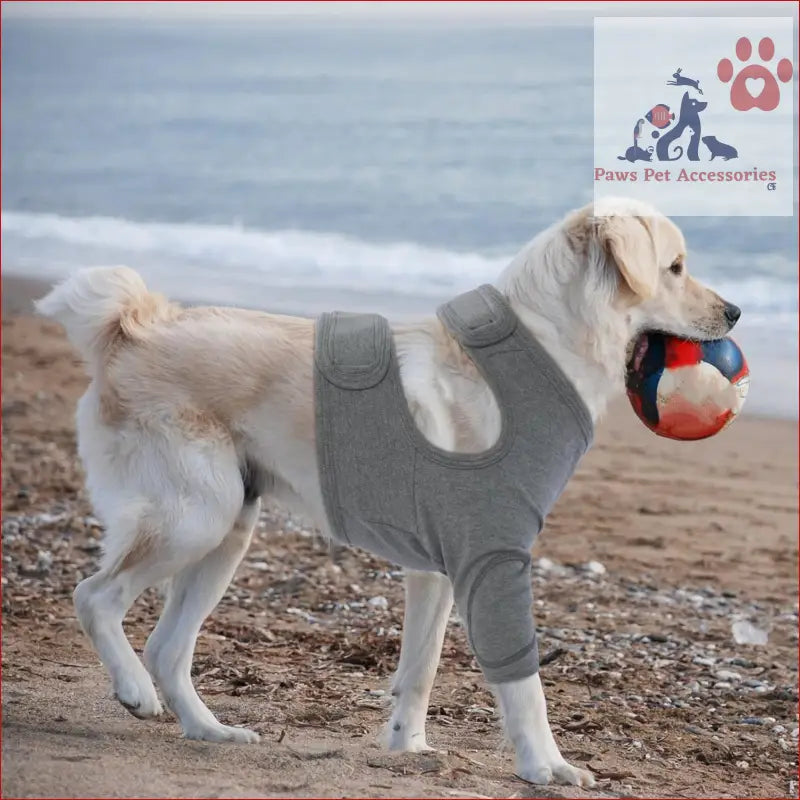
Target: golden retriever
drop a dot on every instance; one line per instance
(184, 402)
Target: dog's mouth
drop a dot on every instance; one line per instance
(638, 350)
(638, 346)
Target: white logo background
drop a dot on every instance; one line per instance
(634, 57)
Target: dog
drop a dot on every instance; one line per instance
(193, 414)
(718, 148)
(689, 117)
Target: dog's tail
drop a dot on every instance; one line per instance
(101, 306)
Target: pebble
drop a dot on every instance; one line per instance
(378, 602)
(594, 568)
(728, 675)
(298, 612)
(793, 734)
(742, 765)
(746, 633)
(695, 730)
(44, 561)
(753, 720)
(779, 729)
(723, 685)
(704, 661)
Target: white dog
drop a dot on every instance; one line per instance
(184, 401)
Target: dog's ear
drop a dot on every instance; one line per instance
(629, 243)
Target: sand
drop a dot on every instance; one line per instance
(646, 682)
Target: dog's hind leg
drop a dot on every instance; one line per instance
(101, 603)
(194, 593)
(168, 501)
(156, 552)
(429, 598)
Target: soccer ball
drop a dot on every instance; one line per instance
(685, 389)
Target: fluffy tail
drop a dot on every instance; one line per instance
(100, 306)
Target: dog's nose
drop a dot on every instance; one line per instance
(732, 313)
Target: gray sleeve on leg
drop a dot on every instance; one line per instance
(494, 599)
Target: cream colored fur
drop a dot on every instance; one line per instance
(183, 399)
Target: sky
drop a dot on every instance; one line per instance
(555, 13)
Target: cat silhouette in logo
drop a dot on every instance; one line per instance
(689, 117)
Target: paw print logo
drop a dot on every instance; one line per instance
(755, 77)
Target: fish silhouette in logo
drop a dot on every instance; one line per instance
(659, 116)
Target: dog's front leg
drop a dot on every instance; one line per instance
(524, 712)
(494, 596)
(429, 598)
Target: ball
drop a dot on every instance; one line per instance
(685, 389)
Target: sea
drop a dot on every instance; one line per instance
(300, 165)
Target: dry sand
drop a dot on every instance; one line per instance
(646, 684)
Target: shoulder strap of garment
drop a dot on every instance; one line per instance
(353, 351)
(479, 318)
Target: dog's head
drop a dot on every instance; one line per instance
(690, 106)
(589, 285)
(643, 255)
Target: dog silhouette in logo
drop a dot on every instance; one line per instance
(689, 117)
(682, 80)
(635, 153)
(717, 148)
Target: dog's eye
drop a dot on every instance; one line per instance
(676, 267)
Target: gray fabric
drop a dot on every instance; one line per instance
(472, 516)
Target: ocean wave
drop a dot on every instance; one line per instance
(208, 254)
(280, 258)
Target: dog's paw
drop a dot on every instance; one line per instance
(138, 697)
(399, 739)
(222, 733)
(573, 776)
(414, 744)
(560, 772)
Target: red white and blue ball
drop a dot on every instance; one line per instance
(685, 389)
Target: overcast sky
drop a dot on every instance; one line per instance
(499, 11)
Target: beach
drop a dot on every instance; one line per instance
(300, 163)
(652, 555)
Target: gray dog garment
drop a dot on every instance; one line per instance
(471, 516)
